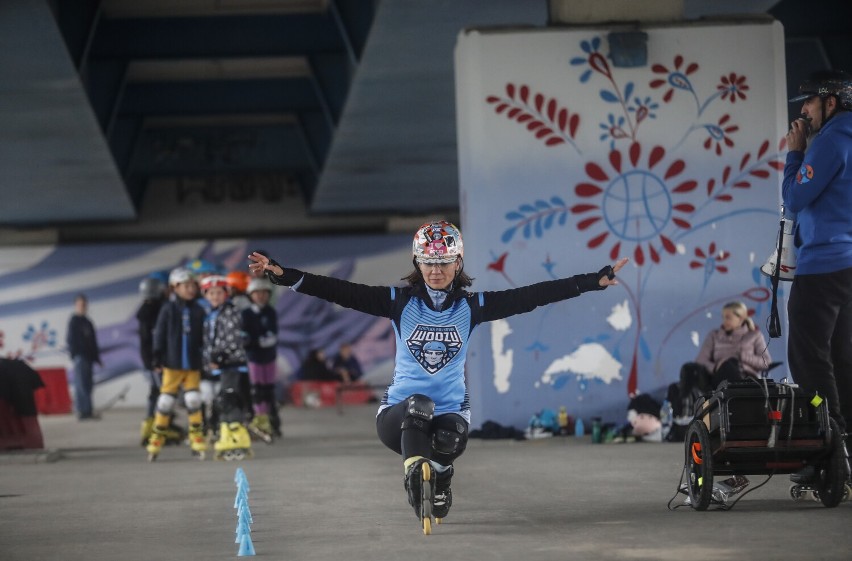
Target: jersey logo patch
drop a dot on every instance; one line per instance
(806, 173)
(433, 346)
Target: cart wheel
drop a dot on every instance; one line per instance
(832, 475)
(699, 465)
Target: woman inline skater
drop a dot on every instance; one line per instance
(425, 412)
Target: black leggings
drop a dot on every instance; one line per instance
(416, 442)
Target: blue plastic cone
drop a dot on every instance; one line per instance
(244, 516)
(244, 509)
(242, 530)
(240, 498)
(246, 547)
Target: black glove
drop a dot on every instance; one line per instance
(607, 272)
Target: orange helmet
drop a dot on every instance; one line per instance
(238, 281)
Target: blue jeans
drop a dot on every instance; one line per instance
(83, 384)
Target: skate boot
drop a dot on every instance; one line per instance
(197, 442)
(175, 434)
(261, 428)
(420, 484)
(234, 442)
(443, 494)
(155, 443)
(146, 429)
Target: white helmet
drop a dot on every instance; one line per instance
(179, 275)
(437, 242)
(260, 284)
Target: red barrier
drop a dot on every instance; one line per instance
(326, 394)
(18, 432)
(53, 398)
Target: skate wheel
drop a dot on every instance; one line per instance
(426, 492)
(152, 457)
(699, 465)
(238, 455)
(200, 455)
(796, 493)
(427, 526)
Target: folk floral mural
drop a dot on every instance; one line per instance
(674, 164)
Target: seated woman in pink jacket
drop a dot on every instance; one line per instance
(734, 350)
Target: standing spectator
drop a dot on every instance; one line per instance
(83, 347)
(817, 187)
(346, 365)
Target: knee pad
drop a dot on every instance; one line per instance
(446, 441)
(419, 410)
(165, 403)
(208, 391)
(192, 399)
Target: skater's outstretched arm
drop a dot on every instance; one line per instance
(374, 300)
(506, 303)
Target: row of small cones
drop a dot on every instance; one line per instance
(244, 519)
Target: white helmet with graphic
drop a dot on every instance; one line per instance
(214, 281)
(260, 284)
(437, 242)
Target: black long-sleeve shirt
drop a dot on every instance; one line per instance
(82, 339)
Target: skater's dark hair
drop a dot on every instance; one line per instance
(462, 279)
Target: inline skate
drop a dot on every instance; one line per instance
(234, 442)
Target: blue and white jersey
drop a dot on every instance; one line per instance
(430, 354)
(432, 341)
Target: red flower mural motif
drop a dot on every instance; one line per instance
(719, 134)
(675, 79)
(710, 260)
(542, 116)
(732, 87)
(633, 200)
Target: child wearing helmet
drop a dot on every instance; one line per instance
(260, 323)
(177, 352)
(152, 290)
(238, 282)
(425, 412)
(224, 360)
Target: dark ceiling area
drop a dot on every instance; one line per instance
(346, 104)
(200, 88)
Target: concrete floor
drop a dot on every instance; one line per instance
(330, 491)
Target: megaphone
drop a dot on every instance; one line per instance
(781, 265)
(784, 248)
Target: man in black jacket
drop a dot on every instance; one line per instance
(83, 346)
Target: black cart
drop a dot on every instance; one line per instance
(758, 426)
